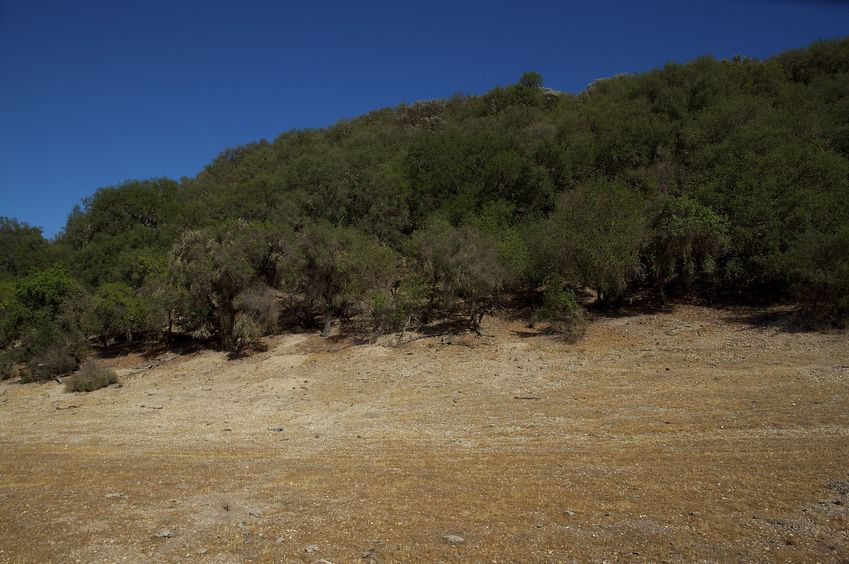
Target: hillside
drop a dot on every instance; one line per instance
(715, 181)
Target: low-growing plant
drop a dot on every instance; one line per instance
(246, 333)
(55, 360)
(91, 376)
(561, 309)
(8, 366)
(260, 304)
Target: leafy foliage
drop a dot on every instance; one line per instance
(458, 263)
(22, 247)
(687, 240)
(560, 308)
(720, 178)
(595, 238)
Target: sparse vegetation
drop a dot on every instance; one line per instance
(90, 377)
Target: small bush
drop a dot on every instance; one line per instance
(246, 333)
(8, 367)
(53, 361)
(261, 304)
(91, 376)
(400, 309)
(561, 309)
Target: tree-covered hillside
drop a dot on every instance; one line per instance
(717, 179)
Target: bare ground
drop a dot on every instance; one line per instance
(701, 434)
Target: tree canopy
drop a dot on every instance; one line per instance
(727, 179)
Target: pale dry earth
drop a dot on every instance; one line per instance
(702, 434)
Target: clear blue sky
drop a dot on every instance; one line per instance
(96, 92)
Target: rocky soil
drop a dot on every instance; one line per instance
(701, 434)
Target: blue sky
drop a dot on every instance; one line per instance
(96, 92)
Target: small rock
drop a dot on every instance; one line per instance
(164, 534)
(280, 540)
(115, 494)
(568, 513)
(452, 538)
(840, 486)
(311, 548)
(200, 551)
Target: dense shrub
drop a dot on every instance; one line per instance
(687, 239)
(56, 360)
(261, 305)
(595, 238)
(246, 333)
(821, 274)
(116, 312)
(718, 178)
(400, 308)
(91, 376)
(8, 365)
(459, 263)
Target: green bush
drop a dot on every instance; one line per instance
(561, 309)
(116, 312)
(458, 263)
(399, 309)
(91, 376)
(595, 238)
(820, 267)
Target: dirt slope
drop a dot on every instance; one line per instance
(700, 434)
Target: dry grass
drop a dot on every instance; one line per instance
(696, 435)
(90, 377)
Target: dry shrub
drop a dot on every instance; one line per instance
(260, 303)
(91, 376)
(246, 333)
(571, 327)
(56, 360)
(8, 369)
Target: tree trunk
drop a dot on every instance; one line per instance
(328, 318)
(328, 323)
(226, 320)
(477, 312)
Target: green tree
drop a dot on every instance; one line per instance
(117, 312)
(595, 238)
(687, 238)
(819, 264)
(22, 247)
(337, 267)
(52, 322)
(459, 263)
(531, 79)
(214, 267)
